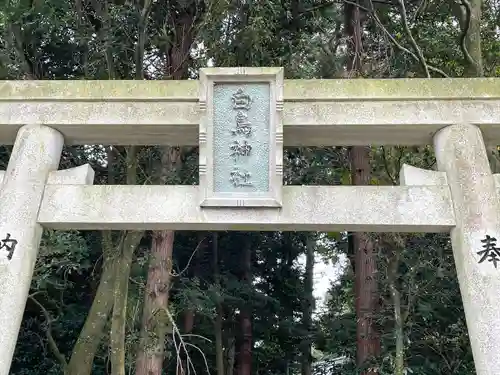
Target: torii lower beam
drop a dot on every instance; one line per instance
(324, 208)
(421, 204)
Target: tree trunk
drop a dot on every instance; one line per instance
(230, 354)
(245, 350)
(129, 240)
(155, 321)
(119, 317)
(399, 364)
(353, 25)
(470, 25)
(82, 357)
(366, 280)
(151, 352)
(127, 245)
(364, 260)
(308, 306)
(219, 347)
(84, 351)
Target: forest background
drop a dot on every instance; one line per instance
(237, 303)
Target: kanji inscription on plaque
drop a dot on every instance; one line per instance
(241, 137)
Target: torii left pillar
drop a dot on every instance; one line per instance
(36, 153)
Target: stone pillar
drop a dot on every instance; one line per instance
(460, 152)
(35, 154)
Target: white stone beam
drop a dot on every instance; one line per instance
(325, 208)
(315, 113)
(82, 175)
(413, 176)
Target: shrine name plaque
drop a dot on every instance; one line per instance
(241, 137)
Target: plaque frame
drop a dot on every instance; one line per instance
(208, 78)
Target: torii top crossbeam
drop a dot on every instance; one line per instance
(316, 112)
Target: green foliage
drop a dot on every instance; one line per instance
(62, 256)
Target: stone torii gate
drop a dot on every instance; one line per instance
(241, 117)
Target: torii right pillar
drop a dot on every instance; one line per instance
(461, 153)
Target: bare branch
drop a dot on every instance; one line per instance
(48, 333)
(372, 13)
(190, 258)
(413, 42)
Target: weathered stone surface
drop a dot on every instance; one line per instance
(35, 154)
(413, 176)
(460, 152)
(316, 112)
(329, 208)
(82, 175)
